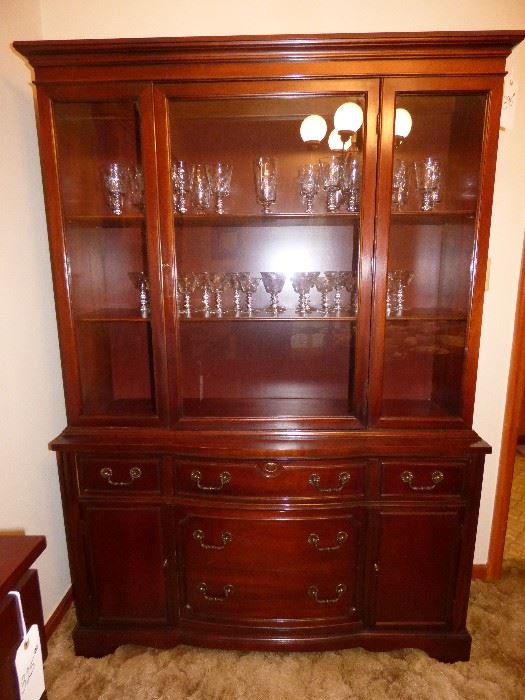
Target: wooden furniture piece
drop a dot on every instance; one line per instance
(236, 474)
(17, 553)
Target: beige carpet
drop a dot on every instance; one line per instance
(496, 670)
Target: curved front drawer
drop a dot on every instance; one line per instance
(113, 474)
(271, 478)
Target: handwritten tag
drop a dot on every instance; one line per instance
(30, 667)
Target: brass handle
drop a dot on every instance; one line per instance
(407, 477)
(226, 538)
(203, 588)
(134, 473)
(314, 540)
(224, 478)
(340, 590)
(314, 480)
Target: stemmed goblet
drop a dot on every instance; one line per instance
(266, 182)
(140, 282)
(136, 186)
(204, 283)
(186, 285)
(330, 172)
(399, 184)
(116, 181)
(337, 279)
(273, 284)
(218, 282)
(324, 286)
(302, 282)
(351, 288)
(351, 183)
(397, 282)
(220, 176)
(249, 285)
(200, 189)
(428, 175)
(308, 184)
(181, 178)
(234, 280)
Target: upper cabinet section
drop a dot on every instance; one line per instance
(271, 231)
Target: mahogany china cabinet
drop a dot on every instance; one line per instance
(269, 259)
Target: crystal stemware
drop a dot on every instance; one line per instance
(266, 182)
(249, 285)
(308, 179)
(351, 183)
(397, 282)
(399, 184)
(428, 173)
(136, 186)
(181, 178)
(204, 284)
(330, 172)
(273, 284)
(302, 282)
(234, 280)
(337, 279)
(140, 282)
(324, 286)
(351, 287)
(186, 285)
(218, 281)
(116, 181)
(220, 177)
(200, 189)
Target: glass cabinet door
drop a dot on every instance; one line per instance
(109, 285)
(268, 226)
(428, 237)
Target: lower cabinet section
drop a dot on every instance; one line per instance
(379, 558)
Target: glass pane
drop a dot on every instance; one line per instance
(435, 183)
(267, 274)
(102, 194)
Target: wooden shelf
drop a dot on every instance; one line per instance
(231, 219)
(104, 220)
(260, 408)
(433, 217)
(231, 317)
(421, 314)
(112, 315)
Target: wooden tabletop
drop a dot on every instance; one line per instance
(17, 553)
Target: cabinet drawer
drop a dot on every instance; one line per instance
(268, 595)
(277, 478)
(422, 478)
(113, 474)
(331, 543)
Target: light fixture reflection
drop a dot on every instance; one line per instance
(335, 142)
(402, 125)
(313, 129)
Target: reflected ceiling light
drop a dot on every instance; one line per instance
(348, 119)
(313, 130)
(402, 125)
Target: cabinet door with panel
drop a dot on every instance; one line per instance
(101, 181)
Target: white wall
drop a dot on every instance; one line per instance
(32, 398)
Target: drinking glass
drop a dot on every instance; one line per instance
(351, 287)
(220, 177)
(116, 181)
(330, 172)
(308, 184)
(136, 186)
(337, 279)
(234, 280)
(399, 184)
(200, 189)
(140, 282)
(324, 287)
(351, 183)
(397, 282)
(181, 178)
(428, 174)
(249, 285)
(273, 284)
(218, 282)
(186, 285)
(302, 282)
(204, 284)
(266, 182)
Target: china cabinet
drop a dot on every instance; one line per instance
(269, 329)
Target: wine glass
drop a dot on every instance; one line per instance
(181, 178)
(337, 279)
(140, 282)
(186, 285)
(116, 181)
(219, 177)
(273, 284)
(218, 282)
(200, 189)
(204, 284)
(309, 184)
(324, 286)
(136, 186)
(330, 172)
(351, 287)
(399, 184)
(351, 183)
(302, 282)
(266, 182)
(428, 173)
(397, 282)
(234, 280)
(249, 285)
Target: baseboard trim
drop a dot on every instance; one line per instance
(58, 615)
(480, 571)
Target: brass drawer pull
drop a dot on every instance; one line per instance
(314, 480)
(134, 473)
(340, 590)
(226, 538)
(407, 477)
(314, 540)
(224, 478)
(203, 588)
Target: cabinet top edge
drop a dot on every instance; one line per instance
(285, 45)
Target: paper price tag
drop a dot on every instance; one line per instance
(30, 667)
